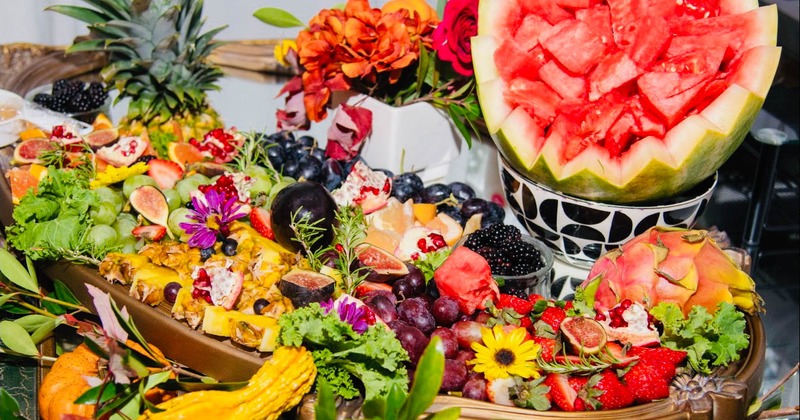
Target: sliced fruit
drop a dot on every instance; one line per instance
(687, 83)
(260, 220)
(125, 151)
(101, 122)
(450, 229)
(497, 391)
(424, 212)
(305, 286)
(149, 202)
(150, 233)
(383, 265)
(222, 322)
(466, 277)
(365, 188)
(226, 286)
(22, 179)
(27, 151)
(165, 172)
(184, 153)
(33, 133)
(584, 335)
(100, 138)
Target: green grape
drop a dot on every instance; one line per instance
(185, 187)
(173, 197)
(261, 184)
(202, 179)
(279, 186)
(176, 217)
(255, 171)
(101, 237)
(124, 225)
(103, 213)
(109, 195)
(128, 245)
(136, 181)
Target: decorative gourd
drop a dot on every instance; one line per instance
(277, 387)
(65, 383)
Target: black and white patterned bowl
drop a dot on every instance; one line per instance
(579, 231)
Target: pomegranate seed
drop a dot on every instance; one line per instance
(207, 297)
(625, 304)
(196, 293)
(339, 248)
(600, 317)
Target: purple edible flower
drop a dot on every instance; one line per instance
(349, 312)
(213, 214)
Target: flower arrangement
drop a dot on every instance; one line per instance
(399, 54)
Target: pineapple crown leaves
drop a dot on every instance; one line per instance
(157, 53)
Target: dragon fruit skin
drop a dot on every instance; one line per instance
(685, 267)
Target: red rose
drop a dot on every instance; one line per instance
(451, 39)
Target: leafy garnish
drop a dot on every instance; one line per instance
(431, 262)
(351, 363)
(349, 232)
(710, 340)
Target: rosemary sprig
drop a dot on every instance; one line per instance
(307, 234)
(348, 234)
(583, 365)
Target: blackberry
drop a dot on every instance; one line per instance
(43, 99)
(514, 291)
(493, 236)
(64, 87)
(145, 158)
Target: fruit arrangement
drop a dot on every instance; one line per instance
(620, 101)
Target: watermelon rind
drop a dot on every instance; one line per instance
(653, 169)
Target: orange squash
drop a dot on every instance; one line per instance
(65, 382)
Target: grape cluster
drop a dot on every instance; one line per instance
(456, 199)
(505, 251)
(73, 96)
(301, 157)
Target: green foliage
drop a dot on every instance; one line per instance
(710, 340)
(277, 17)
(350, 363)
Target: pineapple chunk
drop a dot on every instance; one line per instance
(149, 282)
(245, 329)
(121, 267)
(186, 308)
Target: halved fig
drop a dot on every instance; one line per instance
(305, 286)
(100, 138)
(150, 202)
(383, 265)
(583, 335)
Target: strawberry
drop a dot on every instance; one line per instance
(549, 347)
(561, 392)
(534, 297)
(165, 172)
(646, 382)
(368, 286)
(618, 352)
(150, 232)
(605, 391)
(522, 306)
(525, 322)
(261, 221)
(497, 390)
(664, 354)
(553, 316)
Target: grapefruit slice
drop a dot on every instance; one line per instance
(28, 151)
(184, 153)
(24, 178)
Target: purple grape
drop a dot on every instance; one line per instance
(435, 193)
(259, 305)
(306, 141)
(475, 388)
(404, 192)
(449, 341)
(494, 215)
(465, 355)
(389, 295)
(414, 312)
(411, 338)
(445, 311)
(461, 191)
(474, 206)
(310, 168)
(291, 168)
(331, 174)
(455, 375)
(453, 212)
(382, 306)
(426, 300)
(171, 291)
(403, 289)
(415, 278)
(411, 179)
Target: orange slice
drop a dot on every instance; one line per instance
(102, 122)
(395, 216)
(424, 212)
(184, 153)
(33, 133)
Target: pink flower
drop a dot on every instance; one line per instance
(451, 39)
(351, 125)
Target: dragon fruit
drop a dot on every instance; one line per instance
(685, 267)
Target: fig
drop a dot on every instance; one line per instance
(303, 200)
(151, 204)
(28, 151)
(100, 138)
(305, 286)
(384, 266)
(583, 335)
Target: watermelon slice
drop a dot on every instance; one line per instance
(622, 101)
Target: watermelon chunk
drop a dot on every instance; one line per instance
(559, 40)
(614, 71)
(630, 100)
(562, 82)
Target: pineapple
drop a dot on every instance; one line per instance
(158, 60)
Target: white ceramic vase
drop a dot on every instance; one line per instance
(411, 138)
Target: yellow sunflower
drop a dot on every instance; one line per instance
(502, 355)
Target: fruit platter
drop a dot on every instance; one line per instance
(246, 275)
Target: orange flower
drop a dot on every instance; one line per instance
(425, 12)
